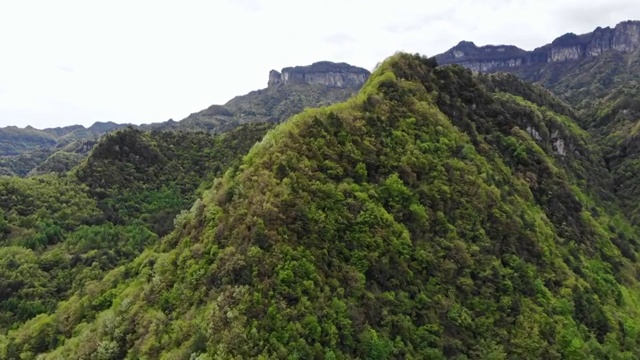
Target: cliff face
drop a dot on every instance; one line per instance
(325, 73)
(624, 37)
(485, 58)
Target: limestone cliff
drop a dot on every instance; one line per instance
(485, 58)
(624, 37)
(324, 72)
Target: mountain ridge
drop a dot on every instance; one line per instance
(25, 151)
(322, 72)
(602, 87)
(623, 37)
(429, 216)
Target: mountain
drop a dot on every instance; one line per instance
(24, 149)
(436, 214)
(30, 151)
(59, 233)
(15, 140)
(288, 92)
(624, 37)
(598, 74)
(152, 176)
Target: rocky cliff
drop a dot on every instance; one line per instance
(324, 72)
(624, 37)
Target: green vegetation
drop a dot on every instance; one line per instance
(152, 176)
(21, 165)
(53, 240)
(28, 151)
(31, 151)
(14, 141)
(272, 105)
(59, 234)
(605, 95)
(59, 162)
(437, 214)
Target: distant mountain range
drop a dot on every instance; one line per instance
(30, 151)
(442, 212)
(624, 37)
(598, 74)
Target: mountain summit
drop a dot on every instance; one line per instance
(323, 72)
(624, 37)
(437, 214)
(288, 92)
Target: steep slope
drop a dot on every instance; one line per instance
(22, 150)
(59, 234)
(436, 214)
(63, 159)
(288, 93)
(31, 151)
(156, 174)
(598, 75)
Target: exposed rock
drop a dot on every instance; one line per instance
(625, 37)
(324, 73)
(485, 58)
(534, 133)
(600, 42)
(275, 78)
(219, 110)
(558, 146)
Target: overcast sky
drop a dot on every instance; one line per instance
(76, 62)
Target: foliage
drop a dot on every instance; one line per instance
(26, 151)
(59, 234)
(14, 140)
(154, 175)
(271, 105)
(433, 215)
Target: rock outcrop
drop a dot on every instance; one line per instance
(624, 37)
(485, 58)
(325, 73)
(275, 78)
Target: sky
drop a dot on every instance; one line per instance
(69, 62)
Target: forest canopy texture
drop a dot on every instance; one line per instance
(436, 214)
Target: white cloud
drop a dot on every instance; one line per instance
(67, 62)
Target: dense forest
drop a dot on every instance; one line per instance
(436, 214)
(29, 151)
(60, 232)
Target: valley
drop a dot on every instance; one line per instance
(478, 204)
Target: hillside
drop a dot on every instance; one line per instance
(15, 140)
(23, 150)
(599, 80)
(29, 151)
(288, 93)
(437, 214)
(133, 173)
(61, 233)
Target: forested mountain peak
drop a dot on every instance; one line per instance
(598, 75)
(432, 215)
